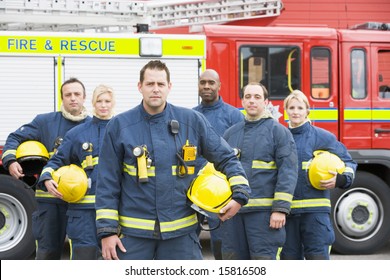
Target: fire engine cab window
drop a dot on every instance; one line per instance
(358, 74)
(276, 67)
(320, 73)
(384, 74)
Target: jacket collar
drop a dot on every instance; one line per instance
(213, 106)
(158, 116)
(300, 129)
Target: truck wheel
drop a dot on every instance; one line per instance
(361, 215)
(17, 202)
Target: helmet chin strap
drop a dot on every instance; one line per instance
(28, 184)
(207, 215)
(210, 229)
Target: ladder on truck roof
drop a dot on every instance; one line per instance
(121, 15)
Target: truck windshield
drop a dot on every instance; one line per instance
(276, 67)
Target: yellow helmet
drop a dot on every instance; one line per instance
(72, 182)
(32, 156)
(321, 164)
(209, 169)
(210, 190)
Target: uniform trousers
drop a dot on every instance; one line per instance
(49, 230)
(185, 247)
(309, 236)
(248, 236)
(82, 234)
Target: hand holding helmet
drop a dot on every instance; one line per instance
(210, 190)
(72, 182)
(210, 194)
(31, 156)
(324, 168)
(15, 170)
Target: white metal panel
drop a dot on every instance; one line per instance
(122, 74)
(66, 15)
(26, 89)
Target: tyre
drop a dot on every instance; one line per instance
(361, 215)
(17, 202)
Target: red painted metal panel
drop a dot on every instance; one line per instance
(333, 13)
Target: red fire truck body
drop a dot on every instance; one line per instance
(346, 76)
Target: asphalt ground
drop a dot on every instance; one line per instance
(382, 254)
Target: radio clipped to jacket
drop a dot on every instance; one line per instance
(189, 157)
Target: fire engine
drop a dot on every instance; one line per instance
(344, 72)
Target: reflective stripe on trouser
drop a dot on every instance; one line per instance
(49, 230)
(309, 236)
(82, 234)
(248, 236)
(185, 247)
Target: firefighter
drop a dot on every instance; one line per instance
(146, 164)
(268, 155)
(81, 147)
(49, 220)
(309, 229)
(221, 116)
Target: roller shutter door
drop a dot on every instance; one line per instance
(122, 74)
(26, 89)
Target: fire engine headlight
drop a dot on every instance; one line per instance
(150, 46)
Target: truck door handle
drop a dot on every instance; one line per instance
(381, 130)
